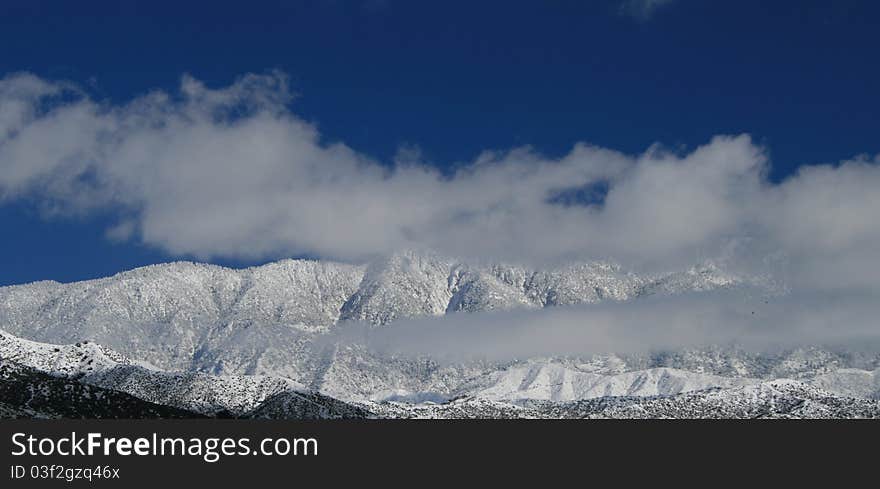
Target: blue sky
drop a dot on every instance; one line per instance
(455, 79)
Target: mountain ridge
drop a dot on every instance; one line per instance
(178, 315)
(215, 340)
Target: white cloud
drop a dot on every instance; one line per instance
(233, 172)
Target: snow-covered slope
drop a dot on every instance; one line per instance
(232, 395)
(29, 393)
(307, 405)
(461, 408)
(772, 399)
(851, 382)
(40, 380)
(165, 313)
(554, 381)
(263, 320)
(403, 285)
(95, 365)
(64, 360)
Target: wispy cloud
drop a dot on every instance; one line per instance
(642, 9)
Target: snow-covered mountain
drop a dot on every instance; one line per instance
(269, 320)
(262, 320)
(219, 341)
(171, 313)
(180, 299)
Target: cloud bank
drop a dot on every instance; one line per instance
(742, 318)
(234, 172)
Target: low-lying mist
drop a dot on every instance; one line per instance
(747, 319)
